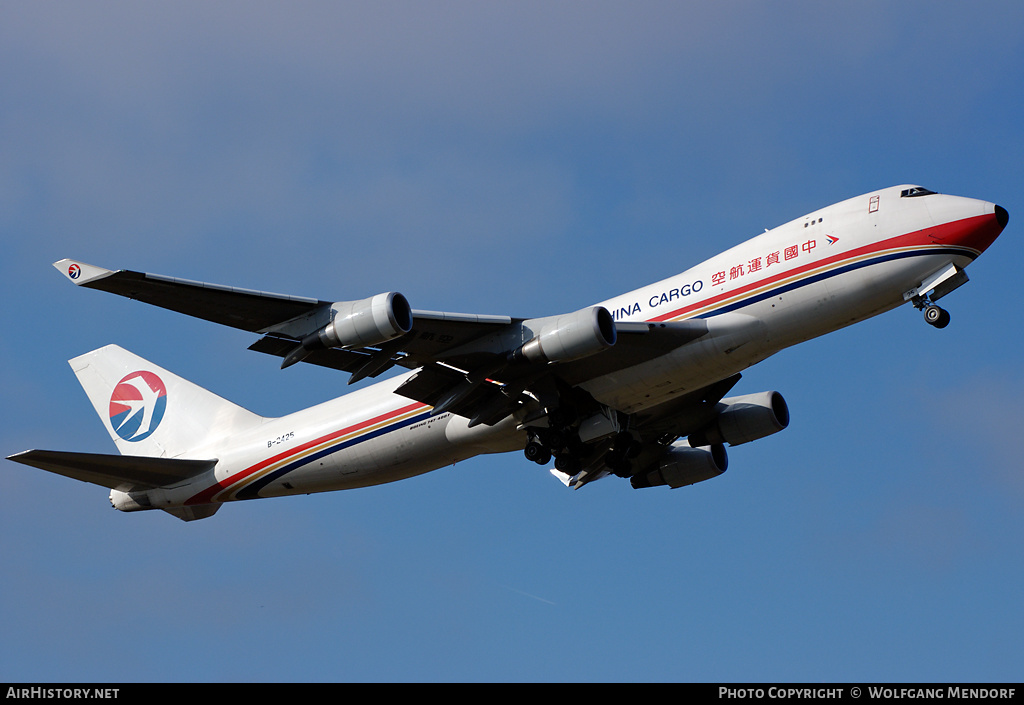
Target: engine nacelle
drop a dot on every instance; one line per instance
(569, 336)
(744, 419)
(372, 321)
(683, 466)
(129, 501)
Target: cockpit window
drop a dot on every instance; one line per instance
(915, 191)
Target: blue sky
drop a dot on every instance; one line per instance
(524, 159)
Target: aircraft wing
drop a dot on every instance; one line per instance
(478, 366)
(239, 308)
(286, 319)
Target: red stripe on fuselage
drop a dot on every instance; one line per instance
(968, 233)
(207, 495)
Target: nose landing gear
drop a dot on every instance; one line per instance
(933, 288)
(936, 316)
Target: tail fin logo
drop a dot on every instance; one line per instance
(137, 405)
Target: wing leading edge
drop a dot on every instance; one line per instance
(230, 306)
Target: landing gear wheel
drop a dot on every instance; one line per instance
(567, 464)
(935, 316)
(537, 453)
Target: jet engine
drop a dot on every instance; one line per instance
(684, 465)
(372, 321)
(569, 336)
(357, 324)
(744, 419)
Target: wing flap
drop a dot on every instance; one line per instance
(479, 400)
(114, 471)
(684, 415)
(335, 358)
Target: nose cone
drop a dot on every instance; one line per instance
(974, 232)
(1002, 217)
(987, 229)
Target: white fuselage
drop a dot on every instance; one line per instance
(828, 269)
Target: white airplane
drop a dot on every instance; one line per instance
(635, 386)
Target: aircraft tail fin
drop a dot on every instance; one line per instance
(149, 411)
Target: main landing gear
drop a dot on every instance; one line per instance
(537, 453)
(568, 451)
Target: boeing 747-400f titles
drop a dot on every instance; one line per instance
(635, 386)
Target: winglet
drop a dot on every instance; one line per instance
(80, 273)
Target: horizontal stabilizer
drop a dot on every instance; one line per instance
(114, 471)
